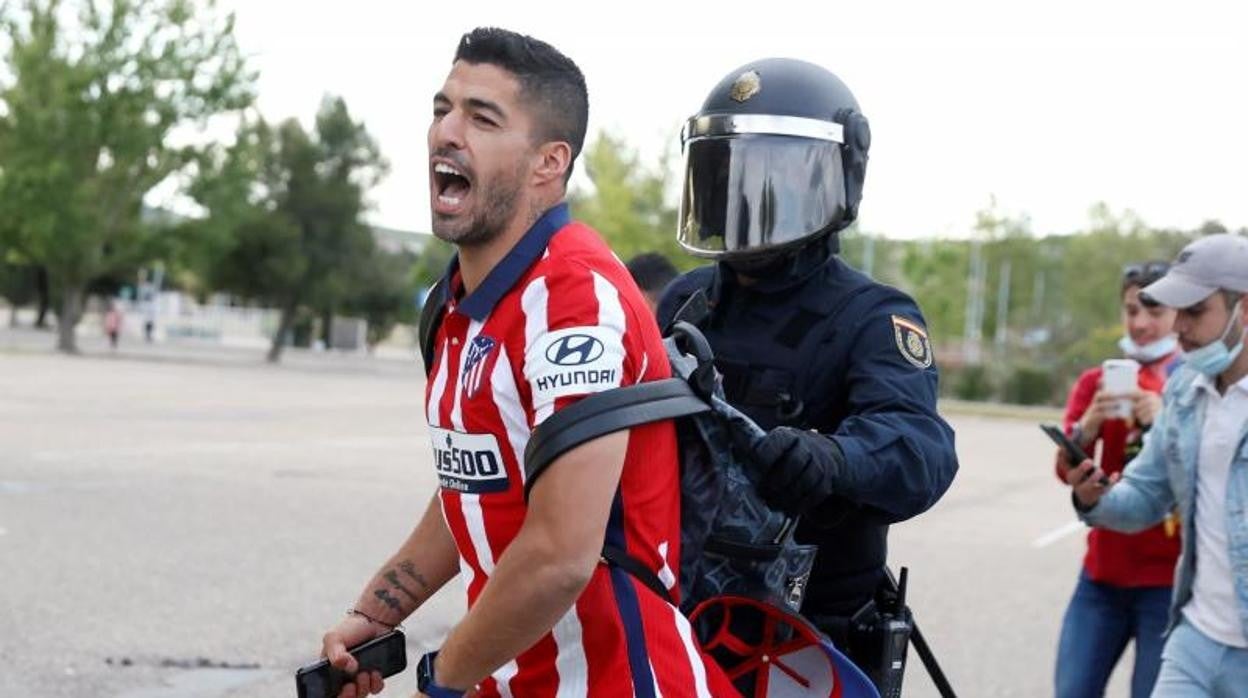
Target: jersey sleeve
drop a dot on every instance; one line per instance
(577, 339)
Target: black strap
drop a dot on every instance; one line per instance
(630, 564)
(694, 310)
(742, 551)
(430, 319)
(606, 413)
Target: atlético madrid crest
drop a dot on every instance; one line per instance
(475, 363)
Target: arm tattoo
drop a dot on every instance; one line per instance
(410, 570)
(390, 601)
(393, 578)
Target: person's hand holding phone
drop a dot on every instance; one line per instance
(1146, 406)
(1087, 480)
(352, 631)
(1104, 406)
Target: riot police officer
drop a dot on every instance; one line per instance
(837, 367)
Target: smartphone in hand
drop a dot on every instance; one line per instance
(386, 654)
(1074, 453)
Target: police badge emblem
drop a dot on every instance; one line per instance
(912, 342)
(746, 85)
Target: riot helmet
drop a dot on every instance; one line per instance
(775, 159)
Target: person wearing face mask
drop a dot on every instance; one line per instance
(1123, 590)
(1195, 456)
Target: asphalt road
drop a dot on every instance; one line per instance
(177, 525)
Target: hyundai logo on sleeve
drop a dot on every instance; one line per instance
(574, 350)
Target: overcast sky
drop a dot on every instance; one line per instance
(1049, 106)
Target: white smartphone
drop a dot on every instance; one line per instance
(1120, 377)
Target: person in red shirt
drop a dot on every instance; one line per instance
(534, 314)
(1123, 592)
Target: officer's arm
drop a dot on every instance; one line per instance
(546, 567)
(898, 453)
(892, 453)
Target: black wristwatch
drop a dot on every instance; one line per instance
(427, 684)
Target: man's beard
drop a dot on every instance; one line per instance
(489, 218)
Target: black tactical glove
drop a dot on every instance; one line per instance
(798, 469)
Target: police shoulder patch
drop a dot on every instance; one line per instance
(912, 342)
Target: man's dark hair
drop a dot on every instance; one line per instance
(549, 81)
(652, 272)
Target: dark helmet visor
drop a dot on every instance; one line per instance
(746, 193)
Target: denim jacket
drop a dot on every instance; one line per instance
(1164, 474)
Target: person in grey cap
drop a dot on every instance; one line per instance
(1196, 457)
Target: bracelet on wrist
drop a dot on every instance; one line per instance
(388, 626)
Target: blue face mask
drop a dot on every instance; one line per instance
(1215, 357)
(1148, 353)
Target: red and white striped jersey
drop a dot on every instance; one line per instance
(559, 318)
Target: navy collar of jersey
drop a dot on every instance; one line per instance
(480, 303)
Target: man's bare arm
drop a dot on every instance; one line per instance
(426, 561)
(544, 569)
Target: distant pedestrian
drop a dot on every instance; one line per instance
(652, 272)
(113, 320)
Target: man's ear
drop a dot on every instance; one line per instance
(553, 160)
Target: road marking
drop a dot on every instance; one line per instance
(1058, 533)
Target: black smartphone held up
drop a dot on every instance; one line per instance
(385, 653)
(1074, 454)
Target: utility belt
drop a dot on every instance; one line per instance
(877, 636)
(875, 640)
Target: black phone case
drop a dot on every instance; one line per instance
(1074, 453)
(386, 654)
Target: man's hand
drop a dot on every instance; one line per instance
(1145, 407)
(352, 631)
(797, 468)
(1086, 478)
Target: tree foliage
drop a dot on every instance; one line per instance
(284, 225)
(628, 204)
(90, 104)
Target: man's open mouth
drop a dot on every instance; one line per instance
(451, 184)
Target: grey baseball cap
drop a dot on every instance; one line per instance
(1211, 263)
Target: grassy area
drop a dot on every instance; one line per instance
(1034, 413)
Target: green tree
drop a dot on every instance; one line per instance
(628, 204)
(389, 296)
(88, 111)
(431, 264)
(18, 284)
(935, 273)
(284, 205)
